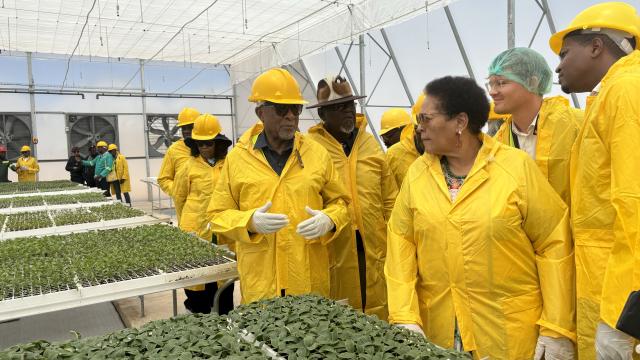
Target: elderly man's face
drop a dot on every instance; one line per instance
(280, 120)
(339, 118)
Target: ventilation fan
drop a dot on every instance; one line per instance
(84, 130)
(163, 131)
(15, 132)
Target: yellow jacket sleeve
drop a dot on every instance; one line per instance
(227, 221)
(33, 166)
(546, 223)
(389, 189)
(180, 188)
(123, 174)
(335, 200)
(401, 252)
(623, 269)
(167, 173)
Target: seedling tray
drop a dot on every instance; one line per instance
(16, 210)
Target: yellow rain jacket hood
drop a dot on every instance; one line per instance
(557, 128)
(269, 263)
(373, 191)
(32, 166)
(401, 155)
(174, 159)
(499, 259)
(121, 168)
(605, 200)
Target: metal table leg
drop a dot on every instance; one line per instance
(216, 297)
(175, 302)
(142, 305)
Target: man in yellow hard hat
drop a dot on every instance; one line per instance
(177, 155)
(543, 127)
(598, 54)
(401, 155)
(26, 166)
(391, 125)
(358, 254)
(279, 198)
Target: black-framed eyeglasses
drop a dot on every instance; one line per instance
(205, 143)
(345, 106)
(283, 109)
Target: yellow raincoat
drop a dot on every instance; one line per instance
(557, 128)
(269, 263)
(499, 260)
(192, 190)
(121, 168)
(605, 200)
(373, 192)
(401, 155)
(176, 156)
(32, 166)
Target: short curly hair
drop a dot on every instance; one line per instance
(459, 94)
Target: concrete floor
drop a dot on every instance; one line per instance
(91, 320)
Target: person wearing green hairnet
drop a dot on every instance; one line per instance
(545, 128)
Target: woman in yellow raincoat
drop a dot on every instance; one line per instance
(121, 183)
(479, 249)
(192, 190)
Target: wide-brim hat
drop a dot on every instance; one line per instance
(334, 90)
(219, 138)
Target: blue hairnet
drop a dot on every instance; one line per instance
(524, 66)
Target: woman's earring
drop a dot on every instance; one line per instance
(459, 142)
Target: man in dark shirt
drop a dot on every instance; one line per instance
(89, 170)
(74, 166)
(5, 164)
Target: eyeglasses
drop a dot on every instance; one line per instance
(205, 143)
(283, 109)
(346, 106)
(424, 117)
(496, 85)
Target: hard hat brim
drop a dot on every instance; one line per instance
(204, 137)
(280, 101)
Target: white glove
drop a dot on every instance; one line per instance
(612, 344)
(317, 225)
(263, 222)
(24, 168)
(638, 349)
(412, 327)
(554, 349)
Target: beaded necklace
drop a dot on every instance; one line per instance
(453, 181)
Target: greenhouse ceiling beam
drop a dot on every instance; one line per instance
(511, 24)
(40, 92)
(392, 55)
(143, 99)
(552, 27)
(456, 35)
(356, 92)
(164, 95)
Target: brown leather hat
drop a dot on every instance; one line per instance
(334, 90)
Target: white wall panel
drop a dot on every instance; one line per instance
(131, 135)
(52, 138)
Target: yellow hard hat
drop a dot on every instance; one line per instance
(393, 118)
(206, 127)
(101, 143)
(276, 86)
(609, 15)
(415, 109)
(112, 147)
(25, 148)
(494, 116)
(187, 116)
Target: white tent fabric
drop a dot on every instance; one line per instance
(248, 34)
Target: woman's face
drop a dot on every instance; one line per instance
(437, 130)
(207, 148)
